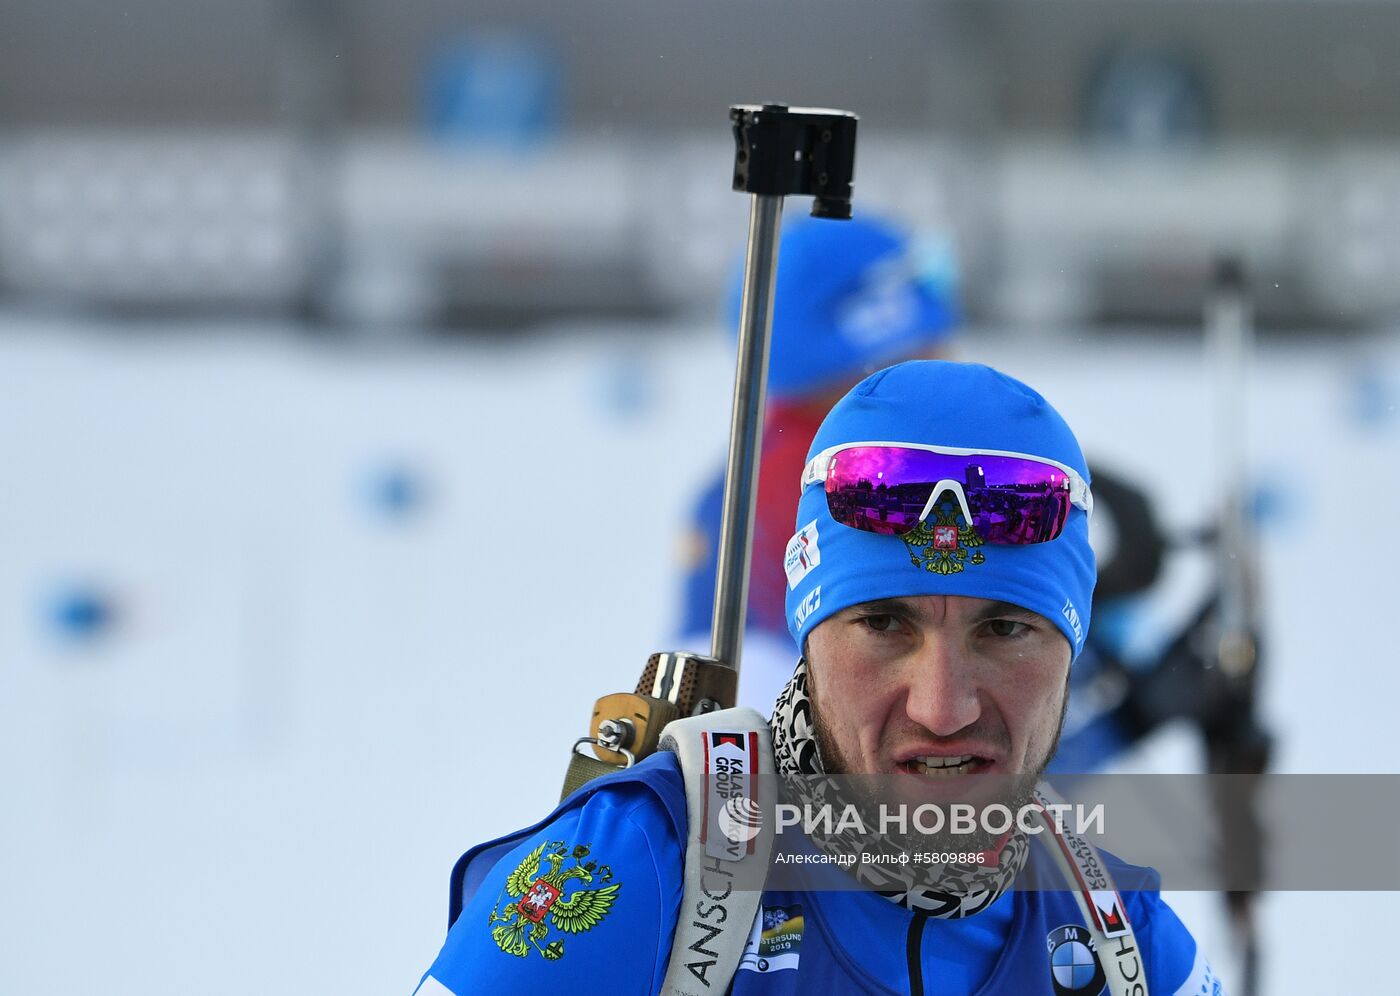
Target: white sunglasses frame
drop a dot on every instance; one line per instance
(1079, 494)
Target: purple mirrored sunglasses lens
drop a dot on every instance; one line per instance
(1014, 501)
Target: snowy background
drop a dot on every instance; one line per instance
(363, 600)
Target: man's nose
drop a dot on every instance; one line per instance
(942, 695)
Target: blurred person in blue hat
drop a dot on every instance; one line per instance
(944, 593)
(850, 297)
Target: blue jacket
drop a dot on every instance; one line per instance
(587, 901)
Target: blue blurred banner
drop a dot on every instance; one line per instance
(494, 88)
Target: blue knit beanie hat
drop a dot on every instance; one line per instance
(832, 567)
(851, 297)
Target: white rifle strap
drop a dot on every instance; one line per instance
(1099, 902)
(722, 755)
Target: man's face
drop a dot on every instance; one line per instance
(932, 686)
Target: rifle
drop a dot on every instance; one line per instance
(779, 152)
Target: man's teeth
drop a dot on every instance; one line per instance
(941, 766)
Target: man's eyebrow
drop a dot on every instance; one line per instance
(886, 607)
(1003, 610)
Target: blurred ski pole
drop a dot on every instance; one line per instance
(1236, 743)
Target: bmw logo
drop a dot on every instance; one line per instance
(1074, 967)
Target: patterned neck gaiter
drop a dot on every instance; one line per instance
(948, 892)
